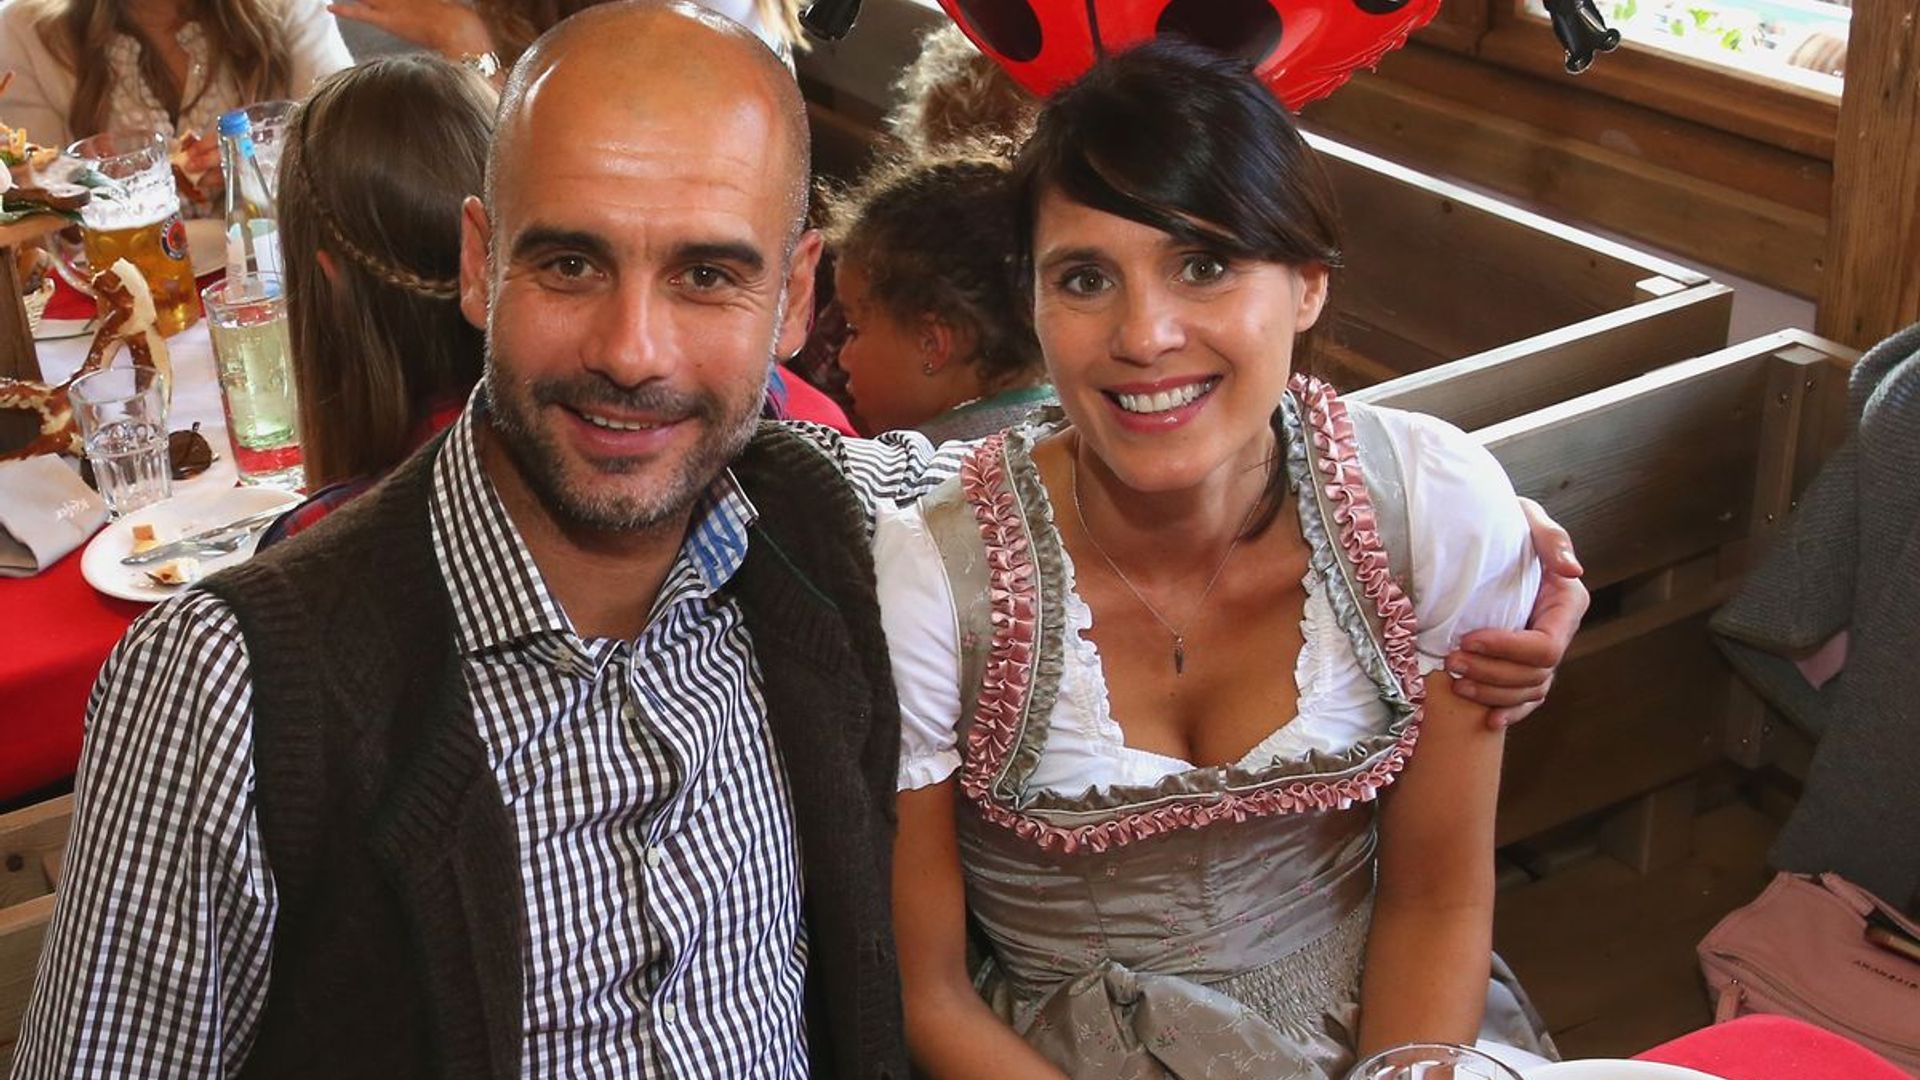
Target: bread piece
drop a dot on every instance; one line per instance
(175, 572)
(144, 539)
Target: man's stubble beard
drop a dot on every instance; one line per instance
(513, 414)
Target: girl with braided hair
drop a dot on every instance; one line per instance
(938, 335)
(370, 234)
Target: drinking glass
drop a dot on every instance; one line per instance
(137, 218)
(1431, 1061)
(247, 318)
(122, 416)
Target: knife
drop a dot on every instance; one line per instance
(187, 545)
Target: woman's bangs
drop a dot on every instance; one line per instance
(1172, 208)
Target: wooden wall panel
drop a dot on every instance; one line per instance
(1760, 225)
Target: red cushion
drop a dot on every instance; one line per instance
(1773, 1048)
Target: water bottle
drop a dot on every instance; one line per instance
(253, 241)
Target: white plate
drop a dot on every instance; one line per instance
(1599, 1069)
(58, 329)
(172, 519)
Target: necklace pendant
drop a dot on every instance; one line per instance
(1179, 655)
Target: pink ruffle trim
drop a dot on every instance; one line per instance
(1013, 585)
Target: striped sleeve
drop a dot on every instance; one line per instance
(891, 470)
(155, 964)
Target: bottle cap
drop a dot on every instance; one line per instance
(235, 123)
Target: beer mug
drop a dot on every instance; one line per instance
(137, 218)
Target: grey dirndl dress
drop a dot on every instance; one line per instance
(1212, 924)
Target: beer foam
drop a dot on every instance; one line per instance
(133, 202)
(103, 215)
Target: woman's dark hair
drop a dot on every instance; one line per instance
(381, 337)
(1187, 141)
(936, 237)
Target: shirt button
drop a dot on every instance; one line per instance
(669, 1012)
(629, 710)
(654, 856)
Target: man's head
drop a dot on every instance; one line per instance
(639, 258)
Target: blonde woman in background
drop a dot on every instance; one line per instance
(86, 66)
(954, 97)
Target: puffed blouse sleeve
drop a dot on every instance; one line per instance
(1473, 562)
(923, 639)
(314, 45)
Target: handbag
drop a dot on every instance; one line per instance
(1823, 950)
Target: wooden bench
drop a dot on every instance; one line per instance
(31, 842)
(1668, 483)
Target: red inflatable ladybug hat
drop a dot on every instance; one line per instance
(1302, 49)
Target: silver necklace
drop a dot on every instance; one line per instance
(1179, 637)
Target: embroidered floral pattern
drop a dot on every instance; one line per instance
(133, 104)
(998, 732)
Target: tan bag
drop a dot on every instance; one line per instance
(1823, 950)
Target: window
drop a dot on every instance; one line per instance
(1799, 42)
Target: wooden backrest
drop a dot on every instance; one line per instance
(1564, 363)
(1678, 462)
(1439, 272)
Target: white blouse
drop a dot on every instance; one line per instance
(1473, 568)
(42, 88)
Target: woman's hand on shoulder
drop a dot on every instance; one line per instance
(1510, 671)
(450, 29)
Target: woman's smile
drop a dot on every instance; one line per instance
(1162, 405)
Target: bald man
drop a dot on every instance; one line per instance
(508, 768)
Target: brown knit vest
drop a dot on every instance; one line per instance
(397, 947)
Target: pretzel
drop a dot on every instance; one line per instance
(129, 323)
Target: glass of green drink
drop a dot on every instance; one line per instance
(247, 317)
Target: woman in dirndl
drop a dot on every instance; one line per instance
(1185, 789)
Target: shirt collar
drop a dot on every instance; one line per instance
(499, 595)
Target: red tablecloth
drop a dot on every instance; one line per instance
(54, 636)
(1773, 1048)
(68, 302)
